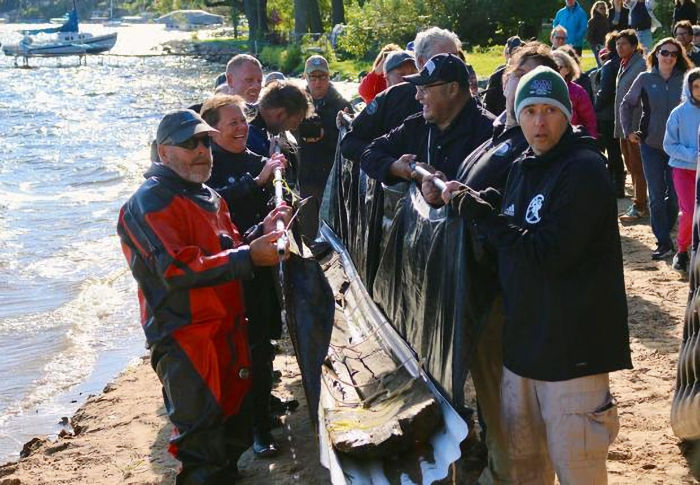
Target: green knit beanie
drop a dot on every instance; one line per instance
(542, 85)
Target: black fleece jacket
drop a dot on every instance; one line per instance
(560, 264)
(444, 150)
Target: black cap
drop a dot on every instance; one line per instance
(441, 68)
(178, 126)
(513, 43)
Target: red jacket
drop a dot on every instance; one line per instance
(187, 258)
(582, 112)
(371, 85)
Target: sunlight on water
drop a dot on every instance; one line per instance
(75, 147)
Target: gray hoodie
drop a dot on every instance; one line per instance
(657, 97)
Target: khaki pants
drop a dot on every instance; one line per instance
(564, 426)
(632, 156)
(486, 369)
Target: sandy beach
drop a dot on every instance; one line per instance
(121, 435)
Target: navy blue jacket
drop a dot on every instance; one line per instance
(472, 126)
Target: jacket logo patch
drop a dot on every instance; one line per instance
(231, 180)
(532, 216)
(502, 149)
(372, 107)
(541, 87)
(510, 210)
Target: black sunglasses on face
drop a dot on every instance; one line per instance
(192, 143)
(666, 53)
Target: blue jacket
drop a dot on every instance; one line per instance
(681, 138)
(575, 21)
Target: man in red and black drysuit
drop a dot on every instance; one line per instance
(188, 258)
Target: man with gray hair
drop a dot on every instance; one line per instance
(435, 41)
(244, 77)
(392, 106)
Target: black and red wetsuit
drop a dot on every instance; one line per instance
(188, 258)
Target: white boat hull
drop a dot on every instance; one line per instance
(68, 44)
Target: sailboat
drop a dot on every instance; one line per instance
(65, 40)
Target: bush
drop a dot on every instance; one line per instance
(286, 59)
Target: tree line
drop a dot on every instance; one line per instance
(367, 23)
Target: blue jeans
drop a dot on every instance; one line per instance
(663, 205)
(645, 39)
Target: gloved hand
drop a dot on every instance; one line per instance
(492, 196)
(470, 203)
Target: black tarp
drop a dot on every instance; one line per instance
(310, 309)
(414, 260)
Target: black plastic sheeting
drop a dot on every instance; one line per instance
(310, 309)
(414, 261)
(685, 410)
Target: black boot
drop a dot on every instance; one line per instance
(264, 445)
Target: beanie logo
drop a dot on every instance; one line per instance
(541, 87)
(532, 216)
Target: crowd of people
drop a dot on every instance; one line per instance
(534, 162)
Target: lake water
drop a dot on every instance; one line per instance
(74, 146)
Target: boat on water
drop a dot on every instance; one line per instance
(65, 40)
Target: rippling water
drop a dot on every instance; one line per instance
(74, 146)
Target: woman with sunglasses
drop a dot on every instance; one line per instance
(658, 90)
(244, 180)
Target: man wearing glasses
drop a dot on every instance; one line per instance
(558, 37)
(450, 126)
(683, 32)
(188, 259)
(318, 137)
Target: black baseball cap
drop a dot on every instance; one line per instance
(180, 125)
(441, 68)
(513, 43)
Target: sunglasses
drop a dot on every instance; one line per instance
(192, 143)
(667, 53)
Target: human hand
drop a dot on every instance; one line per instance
(379, 68)
(450, 188)
(634, 138)
(282, 213)
(263, 250)
(471, 203)
(431, 193)
(401, 168)
(343, 119)
(276, 161)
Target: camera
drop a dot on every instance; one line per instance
(311, 128)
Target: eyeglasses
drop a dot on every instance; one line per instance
(559, 37)
(667, 53)
(422, 89)
(193, 142)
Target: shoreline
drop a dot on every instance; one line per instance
(121, 434)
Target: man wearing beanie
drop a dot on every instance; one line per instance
(560, 269)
